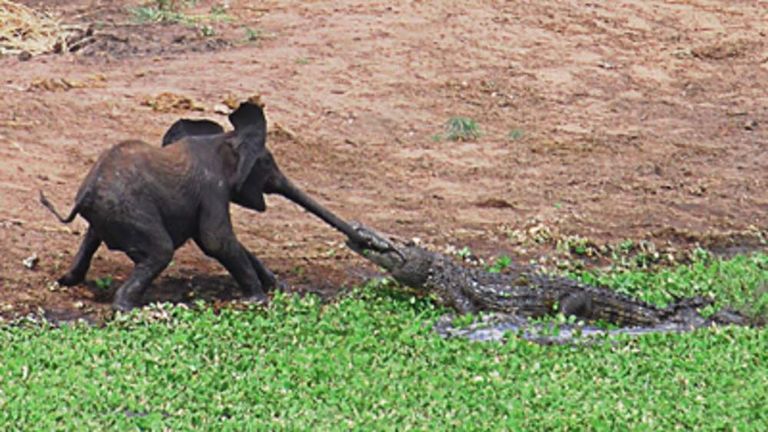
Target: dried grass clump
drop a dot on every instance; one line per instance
(25, 29)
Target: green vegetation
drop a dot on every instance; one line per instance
(207, 30)
(370, 362)
(104, 282)
(161, 11)
(172, 11)
(741, 282)
(462, 129)
(252, 35)
(515, 134)
(464, 253)
(500, 264)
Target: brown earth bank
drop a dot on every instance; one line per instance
(643, 120)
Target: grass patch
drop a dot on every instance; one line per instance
(462, 129)
(172, 11)
(253, 35)
(369, 362)
(500, 264)
(104, 283)
(161, 11)
(740, 282)
(515, 134)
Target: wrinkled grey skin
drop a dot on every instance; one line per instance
(522, 293)
(148, 201)
(265, 178)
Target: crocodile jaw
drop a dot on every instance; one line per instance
(407, 264)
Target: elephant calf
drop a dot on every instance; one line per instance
(148, 201)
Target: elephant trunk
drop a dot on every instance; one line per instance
(281, 185)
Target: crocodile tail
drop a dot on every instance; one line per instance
(732, 317)
(690, 303)
(686, 311)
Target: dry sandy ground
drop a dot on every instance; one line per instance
(608, 120)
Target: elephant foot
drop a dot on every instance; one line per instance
(122, 306)
(275, 285)
(269, 282)
(257, 299)
(70, 279)
(123, 302)
(281, 286)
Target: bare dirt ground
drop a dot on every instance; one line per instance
(633, 119)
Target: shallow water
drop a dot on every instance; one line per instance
(498, 328)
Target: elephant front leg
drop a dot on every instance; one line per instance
(235, 258)
(217, 239)
(82, 261)
(267, 278)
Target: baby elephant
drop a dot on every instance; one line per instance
(147, 201)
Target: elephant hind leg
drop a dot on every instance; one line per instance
(82, 261)
(151, 255)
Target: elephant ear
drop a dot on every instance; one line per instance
(254, 162)
(186, 127)
(248, 114)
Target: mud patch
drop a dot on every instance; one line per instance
(722, 50)
(145, 40)
(129, 40)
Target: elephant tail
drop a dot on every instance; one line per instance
(75, 210)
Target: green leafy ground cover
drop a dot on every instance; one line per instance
(369, 362)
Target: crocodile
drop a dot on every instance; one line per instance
(525, 293)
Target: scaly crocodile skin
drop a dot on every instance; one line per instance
(523, 292)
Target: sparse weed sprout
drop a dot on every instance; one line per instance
(500, 264)
(170, 11)
(464, 252)
(219, 13)
(462, 129)
(104, 283)
(515, 134)
(160, 11)
(252, 35)
(207, 31)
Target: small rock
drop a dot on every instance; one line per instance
(750, 125)
(31, 261)
(25, 56)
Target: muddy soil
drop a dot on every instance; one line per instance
(609, 121)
